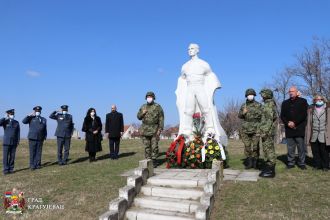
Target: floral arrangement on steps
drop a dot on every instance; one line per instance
(174, 153)
(194, 154)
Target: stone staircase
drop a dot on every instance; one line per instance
(175, 194)
(166, 194)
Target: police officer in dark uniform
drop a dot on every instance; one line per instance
(37, 135)
(10, 140)
(63, 133)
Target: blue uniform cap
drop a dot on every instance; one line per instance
(11, 111)
(37, 108)
(64, 107)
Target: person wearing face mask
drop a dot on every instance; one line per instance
(63, 133)
(114, 129)
(92, 127)
(152, 116)
(37, 135)
(318, 132)
(250, 113)
(10, 141)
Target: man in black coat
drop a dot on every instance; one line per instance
(10, 141)
(63, 133)
(294, 116)
(37, 135)
(114, 129)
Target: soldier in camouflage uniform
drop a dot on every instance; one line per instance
(152, 117)
(267, 132)
(250, 112)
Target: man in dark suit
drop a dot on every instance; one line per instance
(10, 140)
(114, 129)
(294, 116)
(63, 133)
(37, 135)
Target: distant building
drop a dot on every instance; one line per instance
(234, 136)
(170, 133)
(76, 134)
(129, 132)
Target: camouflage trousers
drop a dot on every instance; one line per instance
(269, 150)
(150, 147)
(251, 147)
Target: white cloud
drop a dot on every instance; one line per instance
(33, 74)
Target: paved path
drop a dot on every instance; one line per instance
(237, 175)
(229, 174)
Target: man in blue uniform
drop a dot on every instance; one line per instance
(63, 133)
(10, 140)
(37, 135)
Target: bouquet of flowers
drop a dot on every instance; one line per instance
(174, 153)
(194, 154)
(192, 157)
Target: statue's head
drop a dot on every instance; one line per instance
(193, 50)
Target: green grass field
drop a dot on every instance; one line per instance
(85, 189)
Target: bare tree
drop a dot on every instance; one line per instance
(280, 85)
(229, 117)
(313, 68)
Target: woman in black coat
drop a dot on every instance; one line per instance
(92, 127)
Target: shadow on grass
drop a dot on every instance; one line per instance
(79, 160)
(103, 157)
(283, 158)
(46, 164)
(19, 170)
(161, 161)
(122, 155)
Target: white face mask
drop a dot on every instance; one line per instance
(38, 113)
(250, 97)
(11, 116)
(64, 112)
(149, 100)
(92, 114)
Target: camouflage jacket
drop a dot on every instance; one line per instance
(251, 118)
(152, 121)
(269, 117)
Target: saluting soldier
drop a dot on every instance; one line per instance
(11, 139)
(63, 133)
(37, 135)
(152, 116)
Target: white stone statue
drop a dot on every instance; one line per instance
(195, 93)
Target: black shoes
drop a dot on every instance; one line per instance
(289, 166)
(155, 163)
(255, 163)
(248, 163)
(268, 172)
(302, 167)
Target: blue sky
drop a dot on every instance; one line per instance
(95, 53)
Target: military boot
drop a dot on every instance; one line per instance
(269, 172)
(248, 163)
(155, 163)
(255, 163)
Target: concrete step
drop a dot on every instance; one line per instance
(187, 194)
(166, 204)
(136, 213)
(177, 183)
